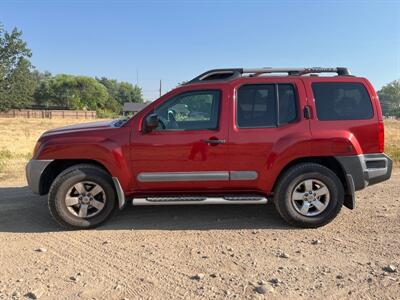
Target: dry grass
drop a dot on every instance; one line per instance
(392, 139)
(18, 137)
(17, 140)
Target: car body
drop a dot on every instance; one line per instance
(239, 138)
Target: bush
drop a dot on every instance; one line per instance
(106, 114)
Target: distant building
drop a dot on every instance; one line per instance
(133, 108)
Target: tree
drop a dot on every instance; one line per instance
(71, 92)
(122, 91)
(129, 93)
(106, 96)
(17, 84)
(39, 76)
(43, 93)
(389, 97)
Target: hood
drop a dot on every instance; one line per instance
(83, 126)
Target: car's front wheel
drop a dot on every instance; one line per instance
(309, 195)
(82, 197)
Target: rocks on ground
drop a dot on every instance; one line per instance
(390, 269)
(264, 289)
(41, 250)
(35, 294)
(198, 276)
(275, 281)
(76, 277)
(283, 255)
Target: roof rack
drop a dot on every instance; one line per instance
(231, 73)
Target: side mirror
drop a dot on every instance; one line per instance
(151, 122)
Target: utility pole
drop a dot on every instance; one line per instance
(137, 77)
(160, 87)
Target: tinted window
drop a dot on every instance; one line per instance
(342, 101)
(256, 105)
(287, 103)
(190, 111)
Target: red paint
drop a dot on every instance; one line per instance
(127, 151)
(362, 134)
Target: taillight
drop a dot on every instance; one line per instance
(381, 136)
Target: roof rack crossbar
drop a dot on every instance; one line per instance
(231, 73)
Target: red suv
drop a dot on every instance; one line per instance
(229, 136)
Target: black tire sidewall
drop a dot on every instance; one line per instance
(60, 188)
(292, 178)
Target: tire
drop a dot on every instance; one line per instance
(294, 182)
(86, 176)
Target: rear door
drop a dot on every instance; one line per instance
(267, 131)
(343, 110)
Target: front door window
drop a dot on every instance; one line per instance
(197, 110)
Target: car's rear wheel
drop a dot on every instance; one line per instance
(82, 197)
(309, 195)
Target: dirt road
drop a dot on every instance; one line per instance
(201, 252)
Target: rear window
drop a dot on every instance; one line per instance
(342, 101)
(266, 105)
(256, 105)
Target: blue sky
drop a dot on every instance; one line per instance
(176, 40)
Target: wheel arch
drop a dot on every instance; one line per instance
(59, 165)
(332, 164)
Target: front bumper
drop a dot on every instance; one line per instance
(34, 171)
(365, 170)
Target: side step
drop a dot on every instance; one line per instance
(188, 200)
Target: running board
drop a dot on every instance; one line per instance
(200, 200)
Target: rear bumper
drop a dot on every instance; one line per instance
(34, 170)
(367, 169)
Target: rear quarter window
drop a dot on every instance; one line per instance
(342, 101)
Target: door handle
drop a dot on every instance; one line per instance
(214, 142)
(307, 112)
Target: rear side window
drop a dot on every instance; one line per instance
(256, 106)
(342, 101)
(287, 104)
(265, 105)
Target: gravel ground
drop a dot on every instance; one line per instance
(217, 252)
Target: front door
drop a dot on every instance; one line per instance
(188, 150)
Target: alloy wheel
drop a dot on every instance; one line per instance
(310, 197)
(85, 199)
